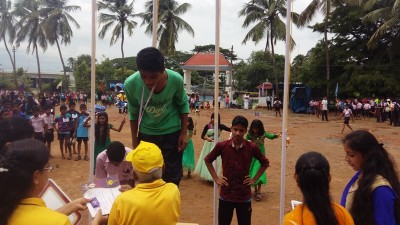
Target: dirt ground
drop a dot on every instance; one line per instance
(306, 133)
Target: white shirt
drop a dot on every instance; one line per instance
(347, 112)
(324, 104)
(37, 123)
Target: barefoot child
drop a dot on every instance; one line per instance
(235, 182)
(188, 153)
(49, 132)
(257, 135)
(82, 132)
(63, 128)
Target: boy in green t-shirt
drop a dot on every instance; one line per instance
(158, 109)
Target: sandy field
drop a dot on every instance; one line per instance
(306, 133)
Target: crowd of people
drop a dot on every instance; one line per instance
(150, 172)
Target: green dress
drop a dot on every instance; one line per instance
(188, 154)
(201, 167)
(98, 146)
(255, 164)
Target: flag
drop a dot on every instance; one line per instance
(59, 85)
(337, 89)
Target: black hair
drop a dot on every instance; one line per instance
(191, 124)
(219, 119)
(71, 103)
(62, 107)
(101, 137)
(116, 151)
(18, 166)
(150, 59)
(82, 106)
(13, 129)
(312, 170)
(257, 124)
(240, 120)
(377, 161)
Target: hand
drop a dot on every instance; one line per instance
(125, 187)
(123, 121)
(223, 181)
(182, 142)
(249, 181)
(210, 139)
(99, 219)
(80, 204)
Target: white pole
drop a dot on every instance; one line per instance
(92, 91)
(285, 110)
(155, 22)
(216, 99)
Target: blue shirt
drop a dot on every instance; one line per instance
(82, 131)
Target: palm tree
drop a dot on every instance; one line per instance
(169, 23)
(387, 14)
(29, 27)
(7, 26)
(267, 15)
(119, 12)
(325, 6)
(57, 26)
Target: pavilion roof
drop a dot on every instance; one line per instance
(206, 61)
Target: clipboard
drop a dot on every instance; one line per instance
(54, 198)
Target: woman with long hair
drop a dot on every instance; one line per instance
(24, 172)
(312, 174)
(372, 195)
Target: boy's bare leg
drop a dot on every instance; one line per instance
(86, 149)
(62, 148)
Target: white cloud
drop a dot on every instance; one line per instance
(201, 17)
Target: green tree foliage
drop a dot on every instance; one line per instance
(57, 26)
(357, 69)
(170, 23)
(120, 14)
(82, 76)
(258, 69)
(227, 53)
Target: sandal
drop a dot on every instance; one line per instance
(258, 196)
(86, 158)
(63, 157)
(78, 158)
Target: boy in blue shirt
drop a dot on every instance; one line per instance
(82, 132)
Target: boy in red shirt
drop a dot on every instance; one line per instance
(236, 154)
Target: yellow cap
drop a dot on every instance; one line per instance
(146, 157)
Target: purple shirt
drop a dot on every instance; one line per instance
(235, 167)
(104, 168)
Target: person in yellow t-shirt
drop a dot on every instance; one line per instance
(151, 196)
(24, 173)
(313, 177)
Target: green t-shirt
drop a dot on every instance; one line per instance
(162, 113)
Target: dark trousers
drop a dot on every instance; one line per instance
(168, 143)
(225, 212)
(324, 115)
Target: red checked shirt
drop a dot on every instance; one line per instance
(235, 167)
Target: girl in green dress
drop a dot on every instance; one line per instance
(257, 134)
(102, 133)
(188, 153)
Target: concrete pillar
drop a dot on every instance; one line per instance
(187, 80)
(228, 81)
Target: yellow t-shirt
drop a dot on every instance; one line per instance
(33, 211)
(301, 215)
(148, 203)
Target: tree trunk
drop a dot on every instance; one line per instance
(327, 47)
(274, 65)
(38, 65)
(12, 61)
(122, 50)
(63, 65)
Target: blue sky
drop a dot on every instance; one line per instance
(201, 17)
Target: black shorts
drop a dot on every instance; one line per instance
(38, 136)
(80, 139)
(49, 137)
(346, 120)
(63, 136)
